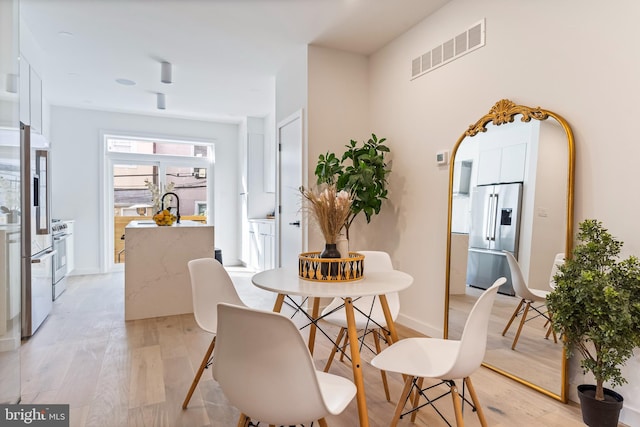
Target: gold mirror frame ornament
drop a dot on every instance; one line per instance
(505, 111)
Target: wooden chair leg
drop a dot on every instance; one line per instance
(344, 346)
(513, 316)
(403, 397)
(383, 374)
(202, 367)
(243, 421)
(334, 350)
(457, 406)
(322, 422)
(476, 402)
(524, 319)
(550, 330)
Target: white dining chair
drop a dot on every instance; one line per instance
(368, 313)
(265, 369)
(528, 299)
(442, 359)
(557, 262)
(210, 284)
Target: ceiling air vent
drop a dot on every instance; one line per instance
(468, 41)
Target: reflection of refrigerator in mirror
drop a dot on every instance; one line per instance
(495, 227)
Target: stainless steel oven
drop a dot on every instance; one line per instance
(60, 236)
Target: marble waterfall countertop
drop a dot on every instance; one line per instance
(156, 278)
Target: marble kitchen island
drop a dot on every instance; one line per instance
(156, 278)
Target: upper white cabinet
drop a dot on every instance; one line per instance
(30, 96)
(260, 202)
(25, 98)
(269, 164)
(504, 164)
(35, 101)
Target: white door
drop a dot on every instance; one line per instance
(290, 178)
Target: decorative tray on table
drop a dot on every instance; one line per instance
(312, 267)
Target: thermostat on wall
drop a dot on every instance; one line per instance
(442, 157)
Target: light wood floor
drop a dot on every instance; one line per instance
(136, 373)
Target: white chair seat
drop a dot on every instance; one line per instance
(419, 357)
(539, 294)
(337, 391)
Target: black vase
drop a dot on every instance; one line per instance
(599, 413)
(326, 268)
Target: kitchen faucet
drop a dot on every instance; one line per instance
(177, 203)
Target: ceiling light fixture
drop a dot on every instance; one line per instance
(165, 72)
(161, 101)
(125, 82)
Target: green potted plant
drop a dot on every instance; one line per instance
(362, 171)
(595, 306)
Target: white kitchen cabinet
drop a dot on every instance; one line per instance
(30, 96)
(513, 165)
(269, 165)
(71, 264)
(10, 285)
(462, 177)
(35, 101)
(262, 241)
(25, 97)
(503, 164)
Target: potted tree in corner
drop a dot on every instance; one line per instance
(595, 306)
(362, 170)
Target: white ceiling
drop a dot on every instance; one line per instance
(224, 53)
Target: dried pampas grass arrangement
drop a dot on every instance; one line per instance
(330, 208)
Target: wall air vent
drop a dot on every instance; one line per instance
(465, 42)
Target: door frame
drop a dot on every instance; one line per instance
(298, 115)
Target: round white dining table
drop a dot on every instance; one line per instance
(286, 282)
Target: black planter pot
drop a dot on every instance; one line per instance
(599, 413)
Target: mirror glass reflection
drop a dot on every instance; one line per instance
(509, 192)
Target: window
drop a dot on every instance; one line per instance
(135, 164)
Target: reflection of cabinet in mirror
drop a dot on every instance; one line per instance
(505, 164)
(462, 177)
(514, 143)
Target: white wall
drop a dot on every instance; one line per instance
(338, 108)
(291, 86)
(76, 181)
(572, 57)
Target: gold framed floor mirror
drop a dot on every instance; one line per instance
(511, 185)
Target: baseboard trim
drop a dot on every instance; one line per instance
(417, 325)
(630, 416)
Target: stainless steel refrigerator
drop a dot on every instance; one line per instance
(37, 244)
(495, 227)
